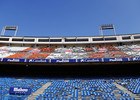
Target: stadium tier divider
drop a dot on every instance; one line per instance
(70, 60)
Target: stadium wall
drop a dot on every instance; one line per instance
(70, 40)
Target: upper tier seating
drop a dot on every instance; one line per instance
(117, 54)
(101, 49)
(70, 53)
(46, 49)
(67, 56)
(28, 49)
(111, 48)
(132, 50)
(71, 49)
(14, 49)
(38, 56)
(18, 55)
(4, 54)
(6, 51)
(95, 55)
(90, 50)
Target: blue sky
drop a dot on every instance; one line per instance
(70, 17)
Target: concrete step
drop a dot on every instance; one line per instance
(127, 91)
(39, 91)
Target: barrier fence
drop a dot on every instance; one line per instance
(70, 60)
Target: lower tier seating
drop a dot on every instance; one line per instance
(6, 83)
(72, 89)
(131, 84)
(92, 89)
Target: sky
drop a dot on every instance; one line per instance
(69, 17)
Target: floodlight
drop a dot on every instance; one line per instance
(105, 27)
(11, 28)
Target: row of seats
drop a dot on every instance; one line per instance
(132, 85)
(4, 54)
(95, 55)
(38, 56)
(73, 89)
(71, 52)
(70, 49)
(18, 55)
(75, 49)
(6, 51)
(28, 49)
(132, 50)
(96, 89)
(90, 50)
(111, 48)
(67, 56)
(46, 49)
(118, 54)
(6, 83)
(16, 49)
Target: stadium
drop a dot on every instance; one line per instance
(70, 68)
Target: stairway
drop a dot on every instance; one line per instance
(126, 91)
(39, 91)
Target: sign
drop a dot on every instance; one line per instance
(20, 90)
(68, 51)
(102, 50)
(90, 60)
(115, 59)
(63, 60)
(13, 60)
(38, 60)
(4, 50)
(136, 49)
(135, 59)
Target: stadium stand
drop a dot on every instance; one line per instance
(28, 49)
(38, 56)
(131, 84)
(46, 49)
(18, 55)
(31, 53)
(95, 55)
(117, 54)
(73, 89)
(70, 53)
(6, 83)
(89, 49)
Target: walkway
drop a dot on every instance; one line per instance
(126, 91)
(39, 91)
